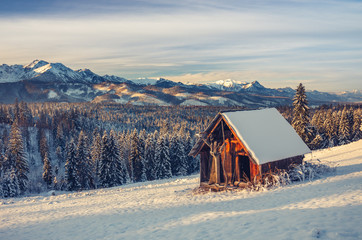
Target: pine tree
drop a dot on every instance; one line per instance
(47, 171)
(84, 164)
(328, 124)
(330, 128)
(177, 156)
(16, 111)
(336, 119)
(318, 121)
(2, 159)
(96, 157)
(5, 137)
(10, 184)
(142, 139)
(149, 156)
(1, 185)
(25, 117)
(356, 128)
(317, 142)
(344, 128)
(16, 159)
(300, 120)
(104, 174)
(123, 146)
(43, 144)
(182, 166)
(71, 171)
(162, 159)
(192, 164)
(59, 153)
(60, 136)
(13, 186)
(112, 170)
(136, 159)
(174, 154)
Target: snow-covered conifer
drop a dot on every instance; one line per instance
(177, 156)
(16, 159)
(316, 142)
(330, 128)
(344, 128)
(356, 128)
(336, 119)
(174, 154)
(10, 184)
(192, 164)
(149, 157)
(14, 185)
(2, 159)
(136, 159)
(47, 171)
(43, 144)
(84, 163)
(60, 136)
(162, 159)
(301, 120)
(96, 157)
(112, 170)
(318, 120)
(71, 168)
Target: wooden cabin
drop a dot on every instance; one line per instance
(239, 146)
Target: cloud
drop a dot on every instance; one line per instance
(191, 38)
(325, 80)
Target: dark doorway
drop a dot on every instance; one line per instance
(244, 166)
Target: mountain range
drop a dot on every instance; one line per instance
(41, 81)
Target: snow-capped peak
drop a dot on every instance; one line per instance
(254, 84)
(36, 64)
(229, 83)
(43, 68)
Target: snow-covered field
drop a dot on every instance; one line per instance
(326, 208)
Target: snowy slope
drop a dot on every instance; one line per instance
(327, 208)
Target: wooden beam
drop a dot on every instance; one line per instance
(238, 139)
(208, 135)
(217, 123)
(223, 165)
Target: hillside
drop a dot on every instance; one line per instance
(325, 208)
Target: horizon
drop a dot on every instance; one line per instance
(278, 43)
(187, 82)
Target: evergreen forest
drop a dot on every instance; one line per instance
(78, 146)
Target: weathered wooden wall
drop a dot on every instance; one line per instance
(281, 164)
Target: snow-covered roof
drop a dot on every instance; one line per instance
(266, 134)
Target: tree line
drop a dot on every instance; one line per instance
(85, 146)
(77, 146)
(324, 126)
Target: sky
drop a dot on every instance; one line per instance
(279, 43)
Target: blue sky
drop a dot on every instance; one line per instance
(279, 43)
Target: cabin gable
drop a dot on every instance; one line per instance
(224, 157)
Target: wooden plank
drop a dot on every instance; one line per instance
(255, 171)
(237, 138)
(225, 152)
(213, 129)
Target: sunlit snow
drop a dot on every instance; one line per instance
(325, 208)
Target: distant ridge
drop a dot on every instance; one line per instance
(41, 81)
